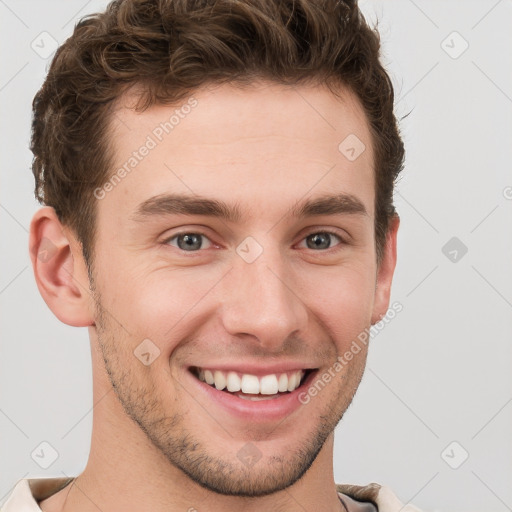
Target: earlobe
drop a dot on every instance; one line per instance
(59, 269)
(385, 272)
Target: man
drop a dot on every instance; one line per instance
(218, 182)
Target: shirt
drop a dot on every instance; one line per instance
(28, 493)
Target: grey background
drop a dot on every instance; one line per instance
(438, 373)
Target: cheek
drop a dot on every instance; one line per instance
(158, 303)
(342, 301)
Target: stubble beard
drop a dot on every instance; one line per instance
(191, 453)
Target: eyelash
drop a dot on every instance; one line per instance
(324, 231)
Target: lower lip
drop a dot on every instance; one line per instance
(258, 411)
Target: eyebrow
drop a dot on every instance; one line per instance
(179, 204)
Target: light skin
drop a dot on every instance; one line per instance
(159, 442)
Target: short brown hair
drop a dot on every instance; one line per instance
(173, 47)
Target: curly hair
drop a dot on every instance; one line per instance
(169, 49)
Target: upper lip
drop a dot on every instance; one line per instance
(256, 369)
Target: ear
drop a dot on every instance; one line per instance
(59, 269)
(385, 272)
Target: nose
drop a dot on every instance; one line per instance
(259, 300)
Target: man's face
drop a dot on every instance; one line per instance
(246, 297)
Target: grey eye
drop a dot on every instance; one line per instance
(188, 241)
(320, 240)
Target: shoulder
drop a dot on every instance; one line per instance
(20, 499)
(27, 493)
(381, 496)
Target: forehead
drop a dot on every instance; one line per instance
(253, 144)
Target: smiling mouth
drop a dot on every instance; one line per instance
(252, 387)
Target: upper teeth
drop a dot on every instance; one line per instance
(266, 385)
